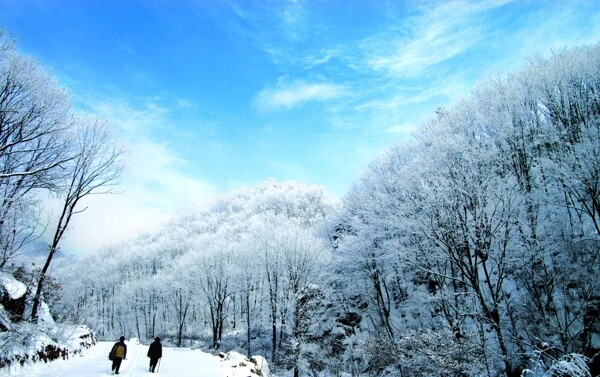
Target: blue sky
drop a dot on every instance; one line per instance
(210, 96)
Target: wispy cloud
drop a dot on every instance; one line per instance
(438, 34)
(452, 87)
(401, 129)
(293, 17)
(123, 116)
(323, 56)
(552, 28)
(184, 104)
(287, 95)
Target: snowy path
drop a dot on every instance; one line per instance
(176, 362)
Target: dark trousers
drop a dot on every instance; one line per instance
(116, 364)
(153, 362)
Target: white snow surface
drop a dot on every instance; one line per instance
(15, 288)
(176, 362)
(45, 316)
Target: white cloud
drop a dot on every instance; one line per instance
(154, 190)
(157, 184)
(288, 95)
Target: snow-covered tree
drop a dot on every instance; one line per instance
(34, 121)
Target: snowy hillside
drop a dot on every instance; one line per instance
(176, 362)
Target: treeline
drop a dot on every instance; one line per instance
(485, 229)
(246, 273)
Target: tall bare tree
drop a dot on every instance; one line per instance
(95, 169)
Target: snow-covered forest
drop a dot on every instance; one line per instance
(471, 250)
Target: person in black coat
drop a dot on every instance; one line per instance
(154, 353)
(119, 353)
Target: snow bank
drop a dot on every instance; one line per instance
(261, 364)
(243, 367)
(12, 286)
(27, 343)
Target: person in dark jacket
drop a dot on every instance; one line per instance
(154, 353)
(119, 352)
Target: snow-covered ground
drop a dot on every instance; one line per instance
(176, 362)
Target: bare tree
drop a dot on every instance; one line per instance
(272, 272)
(216, 282)
(180, 295)
(96, 167)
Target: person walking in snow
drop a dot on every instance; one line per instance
(119, 352)
(154, 353)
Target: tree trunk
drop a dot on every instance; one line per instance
(180, 334)
(274, 340)
(248, 324)
(38, 290)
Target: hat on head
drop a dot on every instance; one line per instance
(122, 339)
(157, 339)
